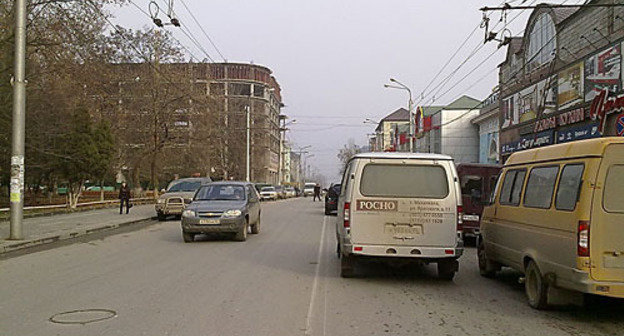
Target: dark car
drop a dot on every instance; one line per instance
(331, 198)
(222, 207)
(477, 181)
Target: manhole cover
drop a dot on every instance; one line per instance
(83, 316)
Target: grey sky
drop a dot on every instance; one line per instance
(332, 57)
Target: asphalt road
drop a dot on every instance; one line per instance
(284, 281)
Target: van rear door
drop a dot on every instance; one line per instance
(404, 202)
(607, 221)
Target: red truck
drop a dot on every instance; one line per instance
(477, 181)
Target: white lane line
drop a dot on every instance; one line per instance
(308, 327)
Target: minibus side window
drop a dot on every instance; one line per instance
(540, 187)
(512, 187)
(345, 178)
(613, 197)
(517, 188)
(569, 186)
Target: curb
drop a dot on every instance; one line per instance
(52, 238)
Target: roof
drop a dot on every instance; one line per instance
(463, 103)
(562, 13)
(398, 115)
(402, 155)
(429, 110)
(575, 149)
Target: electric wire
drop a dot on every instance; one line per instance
(203, 30)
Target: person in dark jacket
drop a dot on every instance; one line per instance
(124, 196)
(317, 192)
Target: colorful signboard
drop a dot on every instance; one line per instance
(547, 95)
(578, 133)
(527, 104)
(528, 141)
(603, 71)
(570, 86)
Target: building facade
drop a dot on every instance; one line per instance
(560, 81)
(387, 135)
(489, 127)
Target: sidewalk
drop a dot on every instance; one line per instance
(48, 229)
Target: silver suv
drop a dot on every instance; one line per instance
(179, 194)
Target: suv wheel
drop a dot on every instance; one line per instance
(241, 235)
(535, 287)
(188, 237)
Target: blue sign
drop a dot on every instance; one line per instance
(529, 141)
(578, 133)
(619, 125)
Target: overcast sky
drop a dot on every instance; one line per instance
(332, 57)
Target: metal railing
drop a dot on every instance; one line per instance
(64, 206)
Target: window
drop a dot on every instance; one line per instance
(217, 89)
(258, 90)
(613, 197)
(470, 182)
(512, 187)
(345, 178)
(540, 187)
(569, 187)
(387, 180)
(237, 89)
(220, 193)
(542, 42)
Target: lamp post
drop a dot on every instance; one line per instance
(402, 86)
(283, 130)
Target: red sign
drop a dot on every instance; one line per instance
(603, 105)
(619, 125)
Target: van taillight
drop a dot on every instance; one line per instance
(460, 220)
(347, 215)
(582, 248)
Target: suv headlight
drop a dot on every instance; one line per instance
(188, 213)
(232, 213)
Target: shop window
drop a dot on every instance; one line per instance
(540, 187)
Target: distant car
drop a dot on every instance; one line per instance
(179, 193)
(259, 186)
(331, 199)
(280, 191)
(98, 188)
(308, 189)
(268, 193)
(222, 207)
(290, 192)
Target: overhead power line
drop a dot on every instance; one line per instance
(203, 30)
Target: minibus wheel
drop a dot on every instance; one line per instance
(347, 266)
(487, 267)
(535, 287)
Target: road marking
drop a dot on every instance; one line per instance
(308, 327)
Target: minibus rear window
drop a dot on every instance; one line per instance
(613, 197)
(416, 181)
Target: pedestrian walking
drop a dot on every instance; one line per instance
(124, 196)
(317, 192)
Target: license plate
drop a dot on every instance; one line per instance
(403, 229)
(472, 218)
(208, 222)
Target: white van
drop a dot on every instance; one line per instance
(400, 207)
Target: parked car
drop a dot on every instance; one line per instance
(331, 198)
(400, 208)
(268, 193)
(477, 184)
(98, 188)
(308, 189)
(280, 191)
(259, 186)
(222, 207)
(179, 193)
(557, 217)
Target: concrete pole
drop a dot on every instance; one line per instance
(412, 126)
(280, 165)
(248, 170)
(19, 119)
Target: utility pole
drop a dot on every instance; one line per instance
(19, 119)
(248, 168)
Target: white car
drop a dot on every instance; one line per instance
(268, 193)
(290, 192)
(308, 189)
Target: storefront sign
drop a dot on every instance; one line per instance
(603, 105)
(619, 125)
(570, 90)
(578, 133)
(565, 118)
(602, 71)
(528, 142)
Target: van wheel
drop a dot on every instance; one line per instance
(347, 266)
(535, 287)
(487, 267)
(447, 269)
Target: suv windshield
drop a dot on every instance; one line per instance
(268, 189)
(220, 193)
(184, 186)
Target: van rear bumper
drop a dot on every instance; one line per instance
(584, 283)
(402, 251)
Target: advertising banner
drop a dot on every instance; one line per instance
(578, 133)
(603, 71)
(527, 104)
(570, 90)
(547, 95)
(528, 141)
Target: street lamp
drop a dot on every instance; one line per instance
(282, 130)
(401, 86)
